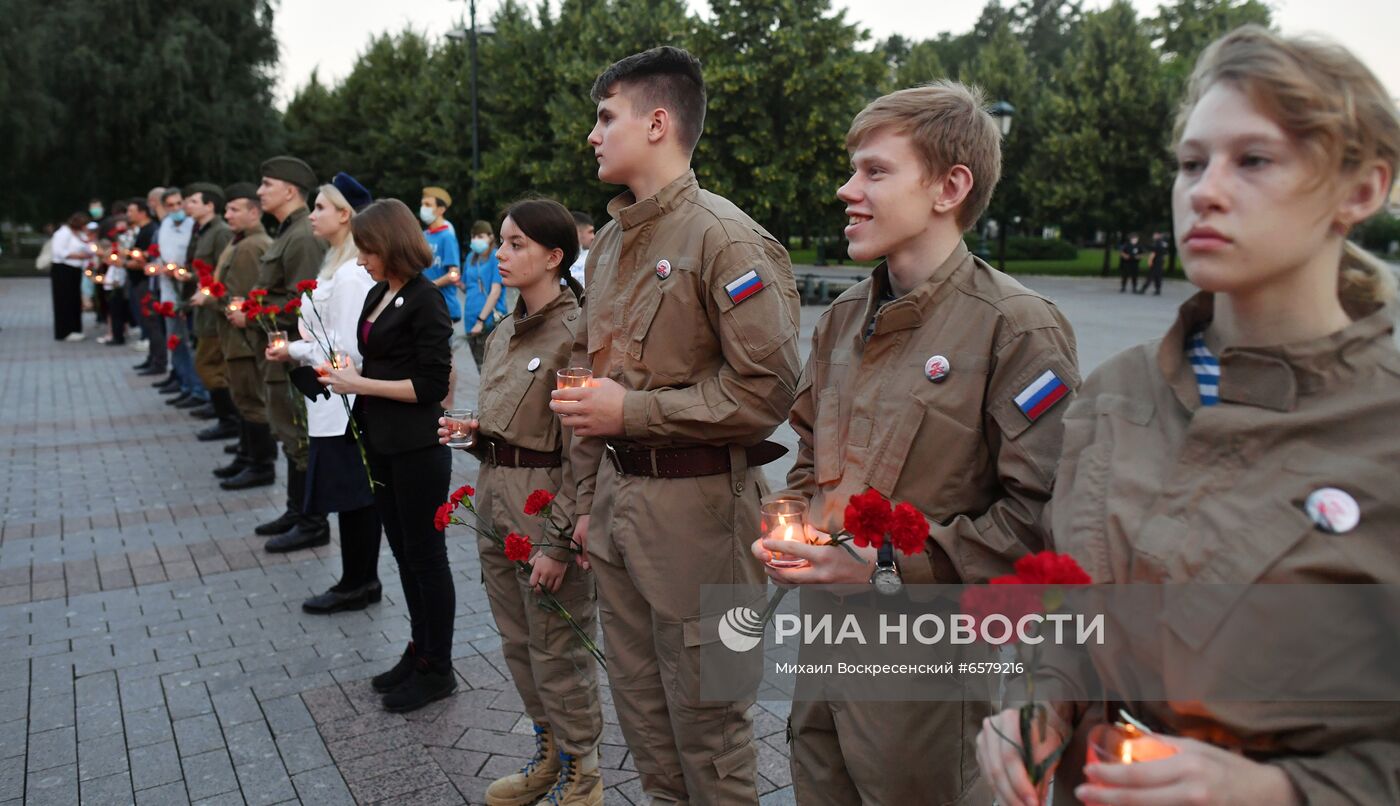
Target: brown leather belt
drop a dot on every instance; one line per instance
(503, 454)
(680, 463)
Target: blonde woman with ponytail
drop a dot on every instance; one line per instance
(336, 480)
(1255, 444)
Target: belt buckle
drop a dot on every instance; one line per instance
(495, 460)
(612, 456)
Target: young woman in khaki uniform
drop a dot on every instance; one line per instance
(519, 442)
(1203, 457)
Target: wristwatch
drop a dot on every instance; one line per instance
(886, 577)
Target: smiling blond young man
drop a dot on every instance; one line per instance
(939, 382)
(690, 329)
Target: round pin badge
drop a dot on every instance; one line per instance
(534, 364)
(936, 368)
(398, 302)
(663, 269)
(1333, 510)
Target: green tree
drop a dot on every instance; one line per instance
(785, 79)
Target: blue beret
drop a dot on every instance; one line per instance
(356, 194)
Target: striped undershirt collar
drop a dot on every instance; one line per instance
(1207, 369)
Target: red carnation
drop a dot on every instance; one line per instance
(172, 342)
(251, 307)
(867, 518)
(218, 289)
(292, 306)
(272, 310)
(153, 250)
(443, 518)
(305, 286)
(908, 529)
(1050, 568)
(258, 293)
(465, 491)
(146, 300)
(517, 548)
(1005, 596)
(166, 309)
(202, 267)
(538, 501)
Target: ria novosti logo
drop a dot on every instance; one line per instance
(741, 629)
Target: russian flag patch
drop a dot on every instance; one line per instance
(744, 287)
(1042, 394)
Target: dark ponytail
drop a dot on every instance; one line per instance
(551, 225)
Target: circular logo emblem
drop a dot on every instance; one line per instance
(1334, 511)
(533, 365)
(663, 269)
(936, 368)
(398, 303)
(741, 629)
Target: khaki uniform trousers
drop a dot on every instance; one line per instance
(248, 389)
(886, 753)
(286, 413)
(555, 674)
(653, 544)
(209, 362)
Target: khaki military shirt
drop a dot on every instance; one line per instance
(523, 353)
(692, 308)
(294, 255)
(1155, 488)
(960, 450)
(238, 271)
(209, 244)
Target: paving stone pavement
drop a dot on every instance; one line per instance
(152, 653)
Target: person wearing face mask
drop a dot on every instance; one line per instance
(446, 271)
(486, 302)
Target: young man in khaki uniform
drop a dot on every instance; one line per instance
(243, 342)
(690, 329)
(294, 255)
(211, 237)
(938, 382)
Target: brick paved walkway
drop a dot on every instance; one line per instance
(152, 653)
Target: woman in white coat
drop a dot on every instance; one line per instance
(336, 478)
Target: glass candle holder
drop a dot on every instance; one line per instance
(182, 273)
(136, 254)
(573, 377)
(277, 338)
(152, 269)
(1125, 744)
(785, 519)
(460, 434)
(235, 304)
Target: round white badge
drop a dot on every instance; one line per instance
(663, 269)
(398, 302)
(936, 368)
(1334, 511)
(533, 365)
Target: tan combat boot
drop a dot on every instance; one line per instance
(579, 784)
(533, 780)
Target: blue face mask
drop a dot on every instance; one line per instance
(480, 245)
(178, 216)
(96, 211)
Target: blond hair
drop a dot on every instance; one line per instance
(336, 257)
(1326, 100)
(949, 125)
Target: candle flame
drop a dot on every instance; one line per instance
(1125, 753)
(788, 535)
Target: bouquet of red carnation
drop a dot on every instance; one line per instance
(172, 342)
(166, 309)
(306, 286)
(1035, 586)
(153, 250)
(202, 268)
(517, 548)
(869, 519)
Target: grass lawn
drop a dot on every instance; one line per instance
(1088, 264)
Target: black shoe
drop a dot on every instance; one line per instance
(204, 412)
(170, 388)
(152, 371)
(223, 429)
(385, 682)
(143, 365)
(232, 469)
(169, 379)
(178, 399)
(231, 449)
(192, 403)
(334, 601)
(260, 476)
(423, 686)
(309, 533)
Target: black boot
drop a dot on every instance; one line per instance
(204, 412)
(231, 449)
(169, 379)
(241, 457)
(428, 683)
(151, 372)
(386, 682)
(291, 516)
(227, 427)
(311, 531)
(260, 472)
(334, 601)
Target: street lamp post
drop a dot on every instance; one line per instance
(470, 34)
(1002, 112)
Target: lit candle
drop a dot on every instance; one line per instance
(573, 377)
(235, 304)
(204, 289)
(785, 519)
(277, 339)
(151, 269)
(1126, 744)
(135, 254)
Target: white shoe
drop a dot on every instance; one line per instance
(104, 339)
(74, 337)
(140, 346)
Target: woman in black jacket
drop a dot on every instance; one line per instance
(403, 337)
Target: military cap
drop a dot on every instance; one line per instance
(356, 194)
(211, 192)
(438, 193)
(241, 190)
(290, 169)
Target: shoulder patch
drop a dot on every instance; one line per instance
(745, 286)
(1041, 395)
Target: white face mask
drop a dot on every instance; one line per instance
(428, 214)
(480, 244)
